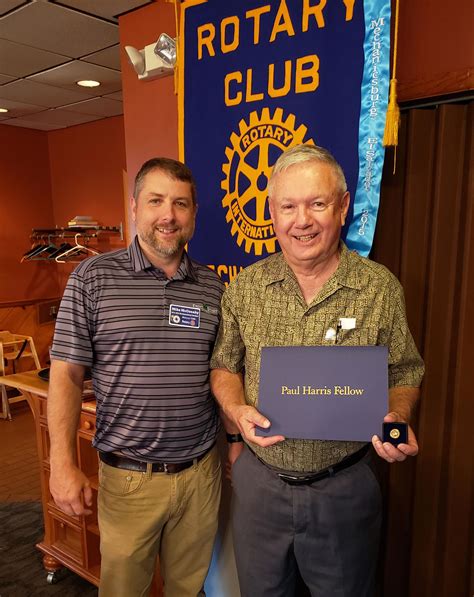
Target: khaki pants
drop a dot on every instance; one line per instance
(142, 515)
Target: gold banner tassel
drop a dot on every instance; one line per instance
(392, 120)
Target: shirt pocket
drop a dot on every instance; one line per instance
(357, 337)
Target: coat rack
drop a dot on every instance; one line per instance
(70, 232)
(46, 250)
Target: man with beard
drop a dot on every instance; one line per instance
(144, 319)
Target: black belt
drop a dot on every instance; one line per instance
(327, 472)
(141, 466)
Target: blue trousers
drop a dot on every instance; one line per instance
(329, 530)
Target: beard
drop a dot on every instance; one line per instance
(166, 248)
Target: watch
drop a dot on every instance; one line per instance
(234, 438)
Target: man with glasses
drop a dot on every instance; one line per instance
(328, 525)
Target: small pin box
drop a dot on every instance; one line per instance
(395, 433)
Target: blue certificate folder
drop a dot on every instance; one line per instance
(324, 392)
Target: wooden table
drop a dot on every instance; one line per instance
(25, 383)
(70, 541)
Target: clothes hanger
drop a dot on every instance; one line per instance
(35, 248)
(59, 250)
(76, 250)
(45, 251)
(63, 247)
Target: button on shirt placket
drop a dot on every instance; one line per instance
(162, 282)
(310, 326)
(318, 319)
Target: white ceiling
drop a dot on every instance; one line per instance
(48, 45)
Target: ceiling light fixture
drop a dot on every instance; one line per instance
(88, 83)
(3, 109)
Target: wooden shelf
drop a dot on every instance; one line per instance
(71, 231)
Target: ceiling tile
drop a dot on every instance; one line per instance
(18, 108)
(100, 106)
(19, 60)
(118, 95)
(6, 79)
(58, 29)
(38, 94)
(31, 125)
(7, 5)
(107, 10)
(66, 76)
(48, 45)
(109, 57)
(60, 117)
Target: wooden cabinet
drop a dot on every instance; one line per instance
(70, 541)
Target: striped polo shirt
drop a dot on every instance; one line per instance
(148, 341)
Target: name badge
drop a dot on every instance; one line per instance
(185, 317)
(347, 323)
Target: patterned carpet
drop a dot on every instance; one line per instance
(21, 570)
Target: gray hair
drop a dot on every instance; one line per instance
(300, 154)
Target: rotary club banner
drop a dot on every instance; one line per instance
(257, 79)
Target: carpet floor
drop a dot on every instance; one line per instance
(21, 569)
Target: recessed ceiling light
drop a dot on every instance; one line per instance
(88, 83)
(3, 110)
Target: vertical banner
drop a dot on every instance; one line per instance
(257, 79)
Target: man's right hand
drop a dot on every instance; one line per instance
(67, 487)
(247, 418)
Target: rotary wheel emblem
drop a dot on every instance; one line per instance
(250, 161)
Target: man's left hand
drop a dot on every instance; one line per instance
(392, 453)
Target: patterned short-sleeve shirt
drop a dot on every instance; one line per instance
(264, 306)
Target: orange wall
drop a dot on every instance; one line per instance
(435, 49)
(150, 107)
(86, 165)
(25, 203)
(45, 180)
